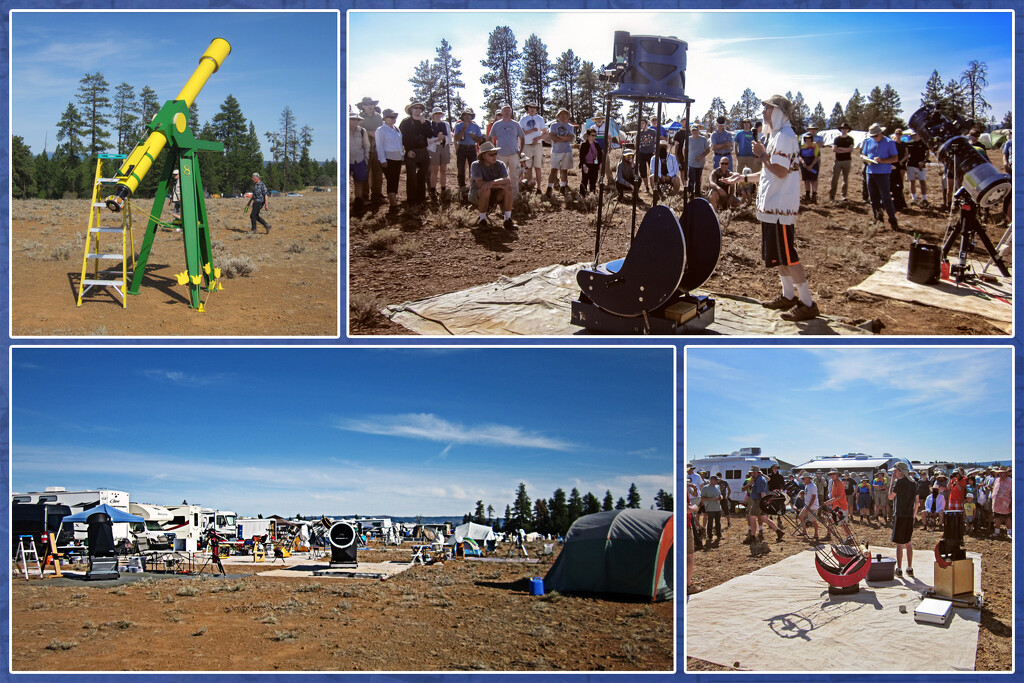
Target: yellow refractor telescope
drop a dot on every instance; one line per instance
(138, 163)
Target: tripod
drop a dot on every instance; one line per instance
(967, 228)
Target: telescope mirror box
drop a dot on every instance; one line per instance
(955, 580)
(933, 611)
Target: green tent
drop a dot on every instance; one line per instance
(619, 551)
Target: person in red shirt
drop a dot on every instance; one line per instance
(837, 500)
(957, 492)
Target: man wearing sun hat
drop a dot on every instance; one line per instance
(372, 120)
(467, 136)
(358, 160)
(507, 136)
(562, 134)
(880, 154)
(903, 491)
(534, 131)
(778, 202)
(416, 133)
(489, 179)
(440, 148)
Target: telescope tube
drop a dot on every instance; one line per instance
(138, 163)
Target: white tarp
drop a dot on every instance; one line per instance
(781, 618)
(470, 530)
(539, 303)
(992, 301)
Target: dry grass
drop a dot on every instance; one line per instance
(237, 266)
(61, 645)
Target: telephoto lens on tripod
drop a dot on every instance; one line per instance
(983, 181)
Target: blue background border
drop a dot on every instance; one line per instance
(496, 5)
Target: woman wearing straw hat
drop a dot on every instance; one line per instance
(440, 148)
(390, 154)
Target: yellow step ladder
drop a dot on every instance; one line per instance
(101, 278)
(26, 552)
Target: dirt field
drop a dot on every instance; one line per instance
(458, 616)
(995, 638)
(291, 290)
(415, 255)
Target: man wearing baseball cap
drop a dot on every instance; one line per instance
(903, 491)
(489, 179)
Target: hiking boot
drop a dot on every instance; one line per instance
(549, 192)
(538, 191)
(562, 189)
(910, 572)
(893, 224)
(760, 534)
(482, 223)
(781, 303)
(433, 194)
(801, 313)
(268, 229)
(749, 539)
(898, 573)
(779, 533)
(814, 198)
(509, 224)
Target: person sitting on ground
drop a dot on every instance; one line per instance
(664, 173)
(746, 190)
(489, 180)
(722, 186)
(626, 176)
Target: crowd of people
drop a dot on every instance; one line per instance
(764, 165)
(902, 500)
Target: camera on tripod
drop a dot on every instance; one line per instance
(982, 181)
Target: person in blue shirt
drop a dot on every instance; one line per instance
(880, 154)
(721, 143)
(467, 136)
(741, 146)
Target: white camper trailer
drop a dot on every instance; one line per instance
(78, 501)
(254, 526)
(224, 522)
(156, 517)
(734, 468)
(187, 526)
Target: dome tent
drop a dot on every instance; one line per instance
(619, 551)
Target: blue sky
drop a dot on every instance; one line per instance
(343, 430)
(277, 59)
(824, 55)
(923, 404)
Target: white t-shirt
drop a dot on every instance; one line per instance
(697, 480)
(535, 121)
(811, 494)
(778, 199)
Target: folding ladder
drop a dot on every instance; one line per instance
(25, 554)
(92, 240)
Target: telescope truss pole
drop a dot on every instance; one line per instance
(636, 181)
(603, 170)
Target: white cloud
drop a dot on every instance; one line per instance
(432, 428)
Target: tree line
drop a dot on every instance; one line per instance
(517, 75)
(98, 124)
(556, 514)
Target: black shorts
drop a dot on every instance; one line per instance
(902, 530)
(778, 245)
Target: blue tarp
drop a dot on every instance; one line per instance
(116, 515)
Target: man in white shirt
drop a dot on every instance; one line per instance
(534, 130)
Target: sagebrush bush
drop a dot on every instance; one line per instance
(238, 266)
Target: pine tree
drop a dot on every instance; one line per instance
(818, 117)
(559, 511)
(620, 504)
(69, 134)
(565, 84)
(608, 503)
(801, 113)
(426, 84)
(974, 80)
(148, 106)
(934, 94)
(892, 108)
(541, 517)
(507, 520)
(717, 109)
(92, 96)
(284, 146)
(591, 505)
(478, 514)
(589, 96)
(23, 172)
(193, 116)
(522, 511)
(536, 72)
(748, 107)
(956, 104)
(633, 497)
(664, 500)
(1007, 120)
(575, 505)
(211, 164)
(125, 118)
(503, 63)
(449, 72)
(837, 116)
(855, 111)
(629, 123)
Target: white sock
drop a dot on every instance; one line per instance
(508, 214)
(483, 216)
(787, 286)
(563, 184)
(804, 290)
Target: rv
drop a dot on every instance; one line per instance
(38, 521)
(224, 522)
(734, 468)
(155, 517)
(78, 501)
(857, 464)
(187, 526)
